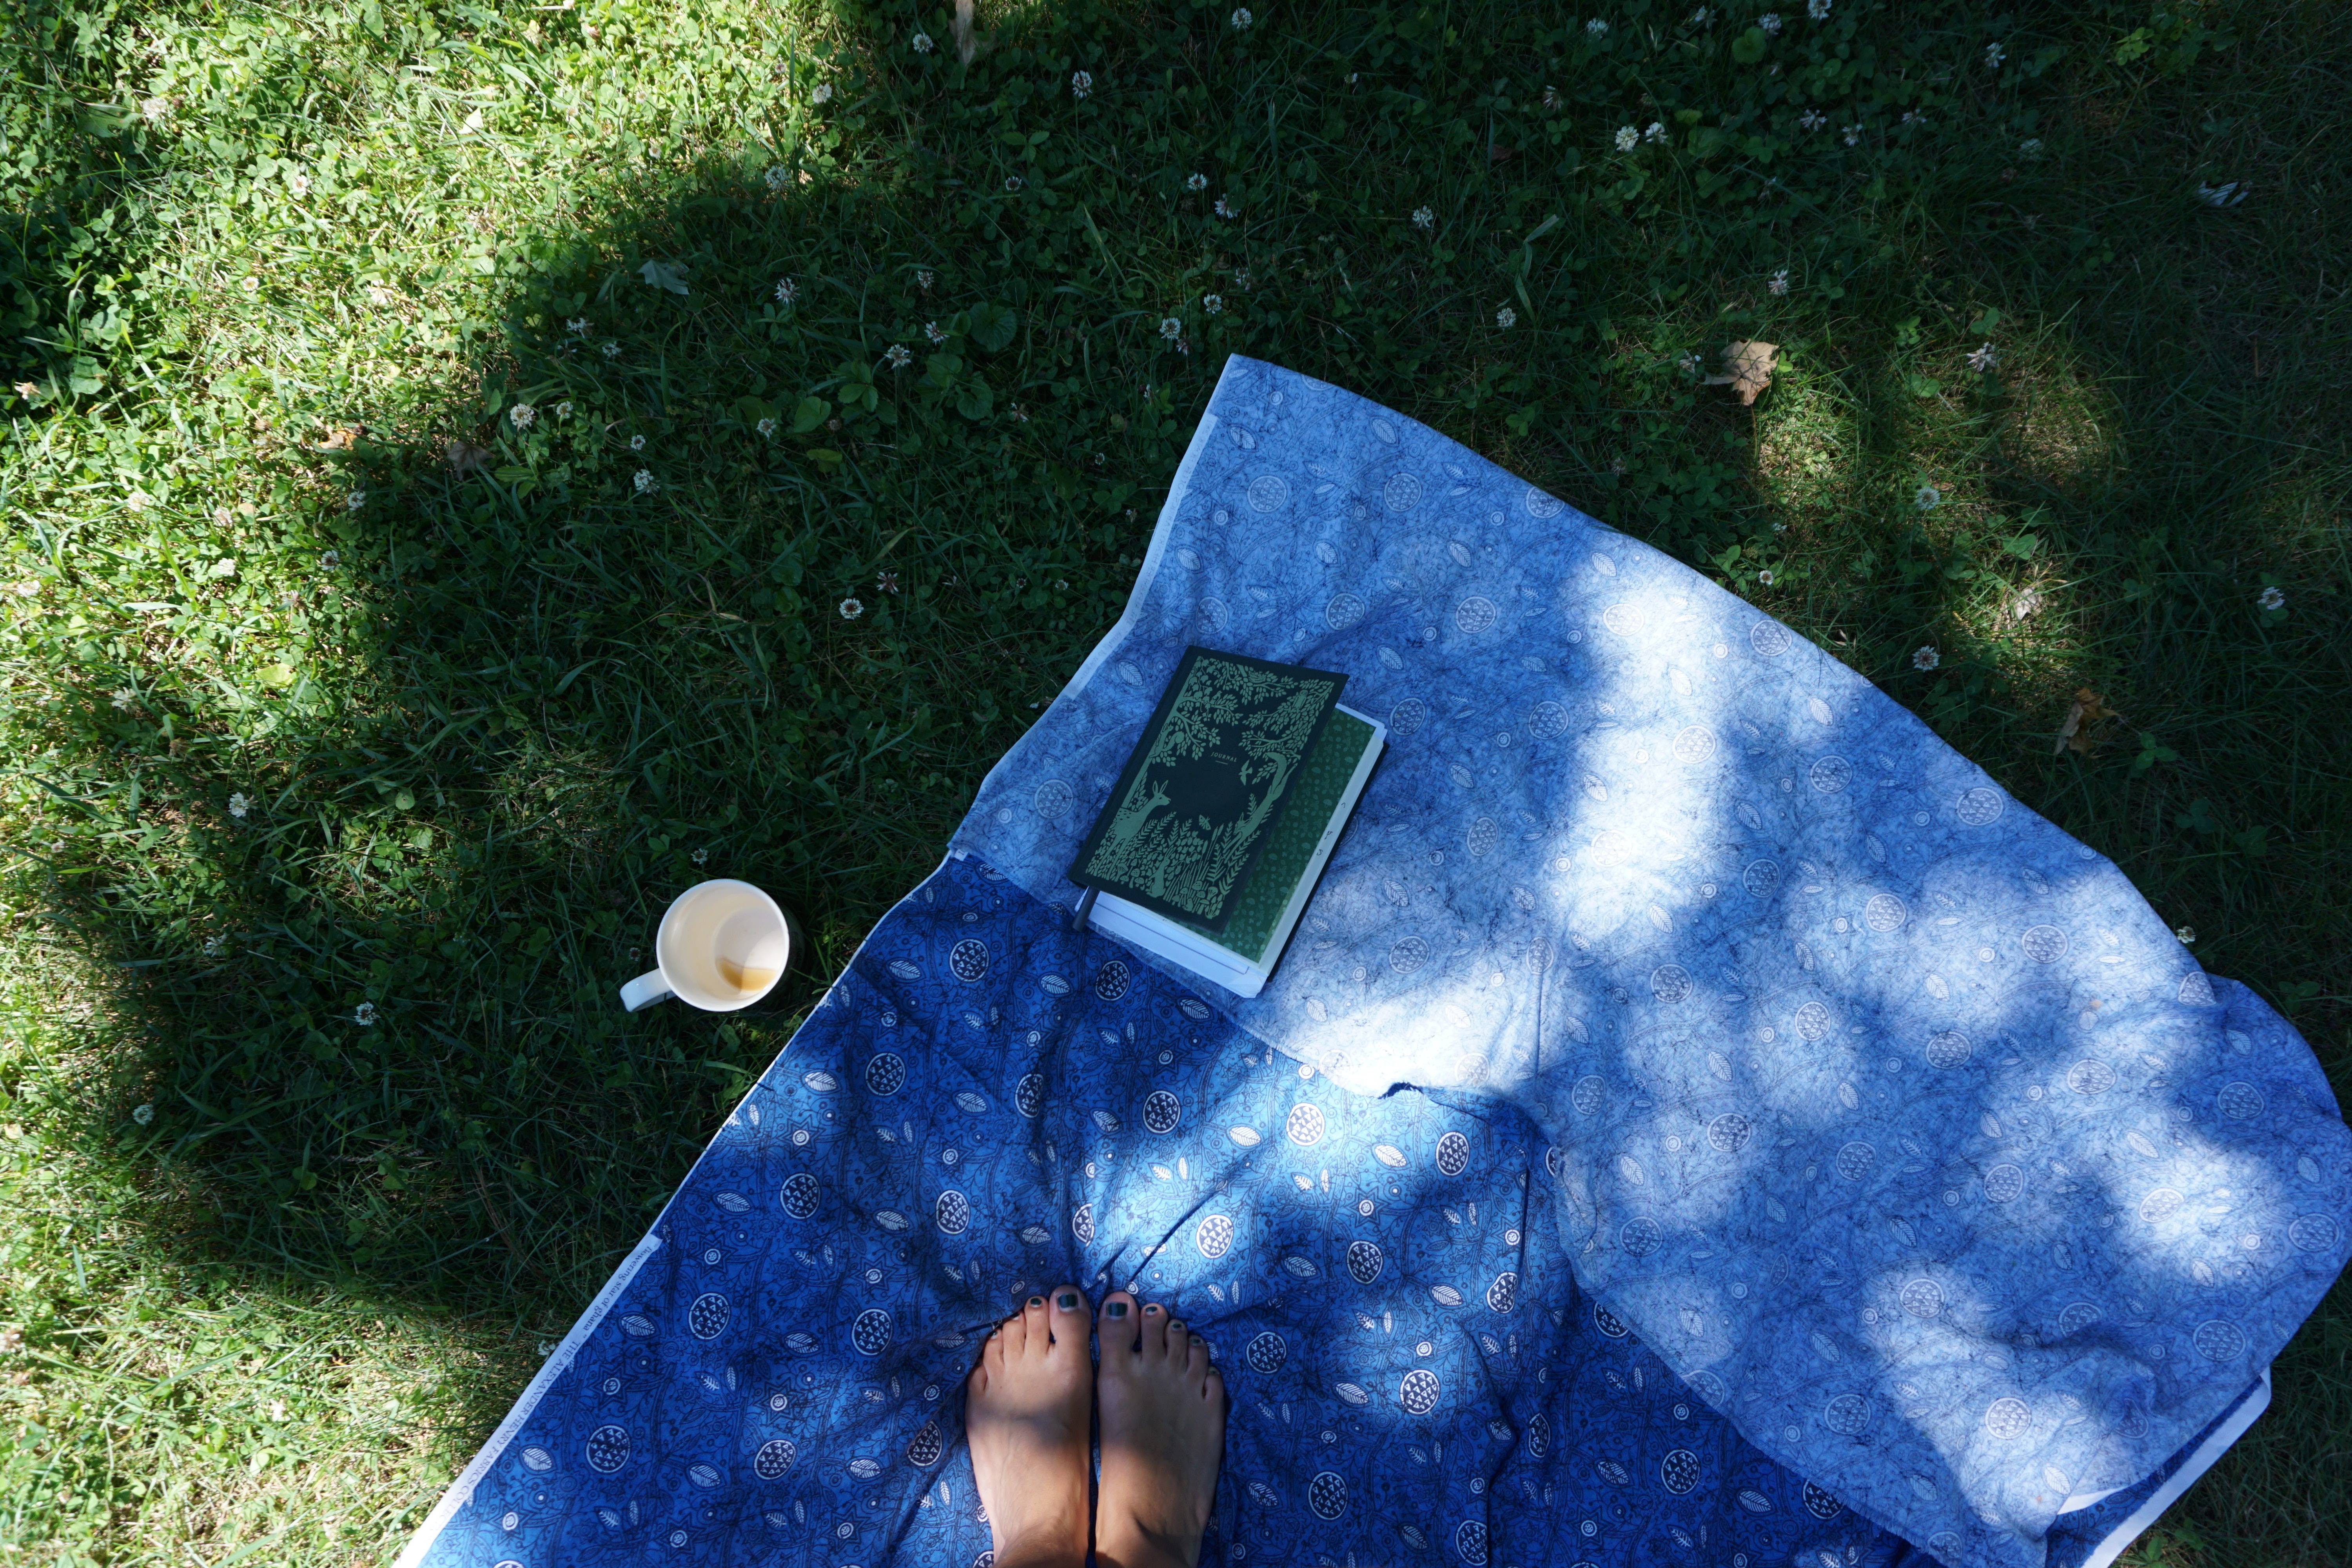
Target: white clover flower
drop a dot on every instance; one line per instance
(899, 356)
(637, 443)
(144, 1115)
(644, 482)
(213, 945)
(1628, 139)
(1819, 10)
(1224, 208)
(1014, 182)
(787, 291)
(1778, 283)
(1656, 131)
(1506, 318)
(931, 331)
(2185, 935)
(125, 698)
(851, 609)
(823, 93)
(612, 349)
(1769, 22)
(1812, 120)
(298, 183)
(1424, 218)
(778, 176)
(155, 110)
(1994, 55)
(1171, 328)
(1212, 304)
(1927, 498)
(1853, 135)
(924, 278)
(1765, 578)
(766, 427)
(2273, 598)
(364, 1015)
(2030, 149)
(922, 42)
(577, 326)
(1551, 96)
(1596, 28)
(1983, 358)
(563, 409)
(1690, 364)
(1241, 20)
(1702, 16)
(1926, 657)
(355, 501)
(523, 415)
(331, 559)
(239, 803)
(1081, 84)
(1196, 181)
(701, 858)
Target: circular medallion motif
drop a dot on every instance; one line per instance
(1504, 1293)
(1694, 743)
(1111, 980)
(1609, 1322)
(1541, 505)
(1029, 1094)
(1639, 1237)
(1546, 720)
(1622, 618)
(1082, 1223)
(1855, 1161)
(1407, 717)
(1304, 1125)
(1728, 1133)
(2078, 1316)
(1812, 1020)
(1418, 1391)
(1679, 1471)
(2195, 990)
(1344, 611)
(1848, 1414)
(871, 1332)
(1213, 1236)
(1266, 1353)
(608, 1450)
(1884, 912)
(2004, 1184)
(1922, 1298)
(1769, 638)
(1948, 1049)
(968, 960)
(1051, 800)
(1161, 1112)
(885, 1075)
(1267, 493)
(925, 1450)
(1476, 615)
(798, 1197)
(2005, 1419)
(1485, 833)
(1762, 877)
(1326, 1496)
(1829, 775)
(1822, 1504)
(707, 1317)
(952, 1212)
(2312, 1232)
(2160, 1205)
(1978, 806)
(2218, 1340)
(1402, 493)
(1586, 1094)
(1363, 1262)
(1670, 983)
(2239, 1102)
(774, 1457)
(2090, 1076)
(1408, 954)
(1453, 1154)
(2043, 943)
(1470, 1540)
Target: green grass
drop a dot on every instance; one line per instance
(424, 729)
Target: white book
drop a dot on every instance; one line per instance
(1204, 955)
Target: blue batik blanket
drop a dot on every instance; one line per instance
(1701, 1120)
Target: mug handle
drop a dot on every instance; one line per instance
(645, 990)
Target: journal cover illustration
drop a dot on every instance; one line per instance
(1194, 806)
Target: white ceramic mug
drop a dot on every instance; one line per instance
(722, 945)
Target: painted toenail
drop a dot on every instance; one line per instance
(1037, 1300)
(1067, 1300)
(1152, 1312)
(1116, 1310)
(1175, 1322)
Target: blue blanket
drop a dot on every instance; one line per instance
(1701, 1117)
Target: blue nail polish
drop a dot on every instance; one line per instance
(1067, 1300)
(1116, 1310)
(1037, 1300)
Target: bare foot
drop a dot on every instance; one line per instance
(1026, 1414)
(1163, 1430)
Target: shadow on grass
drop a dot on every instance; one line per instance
(375, 1007)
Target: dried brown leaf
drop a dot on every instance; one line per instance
(1747, 369)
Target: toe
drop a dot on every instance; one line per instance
(1196, 1363)
(1119, 1323)
(1012, 1337)
(1037, 1335)
(1179, 1340)
(1068, 1316)
(1155, 1332)
(1213, 1389)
